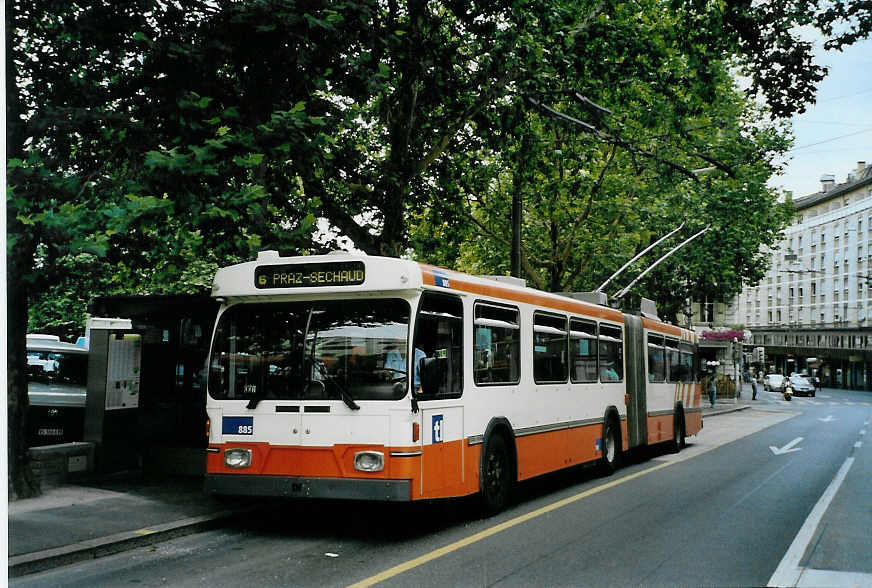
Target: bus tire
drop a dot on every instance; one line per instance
(611, 446)
(496, 475)
(678, 435)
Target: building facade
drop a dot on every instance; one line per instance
(813, 309)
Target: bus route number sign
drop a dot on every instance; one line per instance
(237, 425)
(310, 275)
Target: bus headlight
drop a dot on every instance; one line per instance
(237, 458)
(369, 461)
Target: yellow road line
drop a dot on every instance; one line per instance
(428, 557)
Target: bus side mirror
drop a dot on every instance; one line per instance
(433, 373)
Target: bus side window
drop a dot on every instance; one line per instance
(438, 345)
(582, 351)
(673, 361)
(611, 354)
(656, 359)
(688, 362)
(497, 340)
(549, 348)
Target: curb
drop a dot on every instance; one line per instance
(39, 561)
(717, 412)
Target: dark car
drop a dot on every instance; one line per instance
(801, 386)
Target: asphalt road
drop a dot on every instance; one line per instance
(737, 507)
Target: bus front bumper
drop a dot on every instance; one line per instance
(299, 487)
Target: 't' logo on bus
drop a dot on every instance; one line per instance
(437, 428)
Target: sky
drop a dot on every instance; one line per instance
(836, 132)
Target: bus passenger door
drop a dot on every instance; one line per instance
(438, 386)
(442, 451)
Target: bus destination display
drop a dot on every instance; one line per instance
(310, 275)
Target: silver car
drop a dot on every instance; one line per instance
(774, 382)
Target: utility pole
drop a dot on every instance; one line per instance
(520, 181)
(516, 231)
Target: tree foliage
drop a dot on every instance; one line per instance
(149, 143)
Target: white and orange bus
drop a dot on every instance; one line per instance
(359, 377)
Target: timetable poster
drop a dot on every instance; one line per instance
(123, 371)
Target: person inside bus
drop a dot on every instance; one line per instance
(394, 365)
(419, 355)
(609, 374)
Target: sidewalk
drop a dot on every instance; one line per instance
(109, 514)
(106, 515)
(724, 406)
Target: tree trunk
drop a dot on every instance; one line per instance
(22, 482)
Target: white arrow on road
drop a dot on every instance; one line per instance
(789, 448)
(829, 419)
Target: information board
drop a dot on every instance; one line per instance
(123, 371)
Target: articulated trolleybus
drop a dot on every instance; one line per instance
(359, 377)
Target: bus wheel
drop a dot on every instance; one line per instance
(611, 447)
(496, 471)
(678, 441)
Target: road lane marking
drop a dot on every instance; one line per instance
(481, 535)
(789, 448)
(776, 417)
(789, 571)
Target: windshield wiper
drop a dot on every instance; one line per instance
(325, 376)
(343, 393)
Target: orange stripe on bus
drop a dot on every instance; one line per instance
(458, 283)
(655, 325)
(442, 470)
(548, 452)
(660, 428)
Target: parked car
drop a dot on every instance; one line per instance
(57, 375)
(774, 382)
(801, 386)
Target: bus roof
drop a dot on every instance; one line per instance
(272, 274)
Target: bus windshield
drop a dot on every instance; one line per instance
(318, 350)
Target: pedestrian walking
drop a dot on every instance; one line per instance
(753, 389)
(712, 390)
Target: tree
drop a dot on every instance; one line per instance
(152, 135)
(604, 192)
(110, 173)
